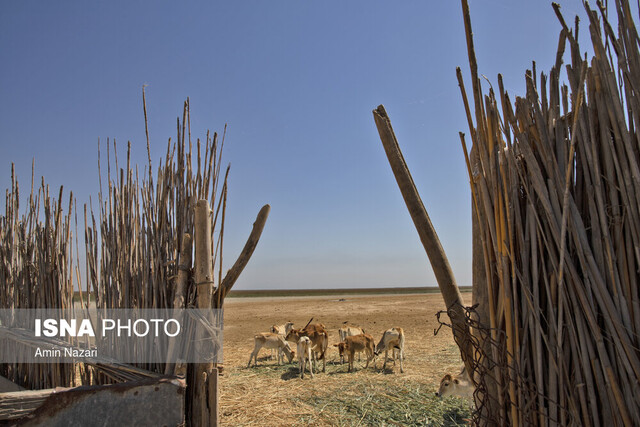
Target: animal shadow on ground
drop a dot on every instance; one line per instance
(291, 373)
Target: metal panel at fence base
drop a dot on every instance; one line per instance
(153, 402)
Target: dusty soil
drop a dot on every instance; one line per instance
(275, 395)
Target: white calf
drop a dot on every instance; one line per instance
(281, 330)
(460, 386)
(272, 341)
(304, 355)
(392, 339)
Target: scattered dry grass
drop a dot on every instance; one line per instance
(275, 395)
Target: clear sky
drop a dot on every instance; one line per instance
(296, 83)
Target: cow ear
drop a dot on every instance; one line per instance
(455, 380)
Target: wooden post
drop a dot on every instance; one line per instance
(203, 408)
(184, 272)
(428, 235)
(202, 378)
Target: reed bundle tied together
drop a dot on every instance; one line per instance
(555, 183)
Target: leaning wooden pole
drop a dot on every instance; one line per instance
(428, 235)
(243, 259)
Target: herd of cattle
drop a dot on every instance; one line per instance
(312, 342)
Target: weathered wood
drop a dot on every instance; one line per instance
(203, 402)
(203, 265)
(17, 404)
(158, 401)
(427, 233)
(242, 260)
(184, 272)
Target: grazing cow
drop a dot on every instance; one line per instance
(272, 341)
(357, 344)
(459, 385)
(319, 337)
(392, 339)
(348, 331)
(304, 355)
(282, 330)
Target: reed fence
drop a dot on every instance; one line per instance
(555, 184)
(132, 246)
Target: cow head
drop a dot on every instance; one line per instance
(342, 346)
(447, 384)
(293, 335)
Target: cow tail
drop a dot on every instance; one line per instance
(325, 342)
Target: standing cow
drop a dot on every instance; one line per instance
(357, 344)
(392, 339)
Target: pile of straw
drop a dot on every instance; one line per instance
(555, 180)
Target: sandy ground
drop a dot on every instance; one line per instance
(270, 394)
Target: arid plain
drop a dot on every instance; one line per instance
(275, 395)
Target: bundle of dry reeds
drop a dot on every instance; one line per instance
(133, 249)
(134, 253)
(555, 180)
(37, 267)
(141, 223)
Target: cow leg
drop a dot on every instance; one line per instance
(401, 357)
(325, 344)
(254, 355)
(311, 370)
(369, 356)
(386, 354)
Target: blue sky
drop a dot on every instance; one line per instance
(296, 83)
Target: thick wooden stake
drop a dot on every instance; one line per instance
(204, 403)
(428, 235)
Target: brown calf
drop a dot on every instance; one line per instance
(357, 344)
(319, 337)
(348, 331)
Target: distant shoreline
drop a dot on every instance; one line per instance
(258, 293)
(341, 291)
